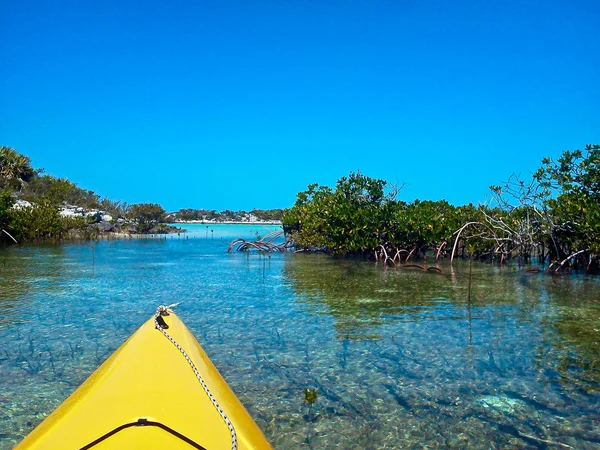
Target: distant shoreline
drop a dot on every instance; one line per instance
(226, 222)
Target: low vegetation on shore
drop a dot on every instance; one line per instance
(554, 217)
(35, 206)
(211, 215)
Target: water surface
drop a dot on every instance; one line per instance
(399, 358)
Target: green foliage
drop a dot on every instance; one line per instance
(60, 191)
(115, 208)
(572, 186)
(6, 203)
(578, 216)
(424, 224)
(15, 169)
(574, 172)
(42, 221)
(555, 215)
(307, 222)
(227, 215)
(146, 215)
(358, 216)
(355, 210)
(231, 216)
(47, 194)
(310, 396)
(267, 214)
(195, 214)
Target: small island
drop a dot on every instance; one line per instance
(552, 219)
(35, 206)
(205, 216)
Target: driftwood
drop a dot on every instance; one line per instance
(265, 244)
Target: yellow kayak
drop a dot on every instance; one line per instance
(159, 390)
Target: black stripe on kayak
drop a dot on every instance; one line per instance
(143, 423)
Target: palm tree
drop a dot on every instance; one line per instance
(15, 167)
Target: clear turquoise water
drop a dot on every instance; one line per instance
(225, 231)
(400, 358)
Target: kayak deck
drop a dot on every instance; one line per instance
(146, 395)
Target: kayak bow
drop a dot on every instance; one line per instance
(158, 390)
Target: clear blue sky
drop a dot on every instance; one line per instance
(241, 104)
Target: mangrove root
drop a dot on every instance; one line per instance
(265, 244)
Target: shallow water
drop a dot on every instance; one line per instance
(399, 358)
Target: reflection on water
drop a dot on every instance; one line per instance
(399, 358)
